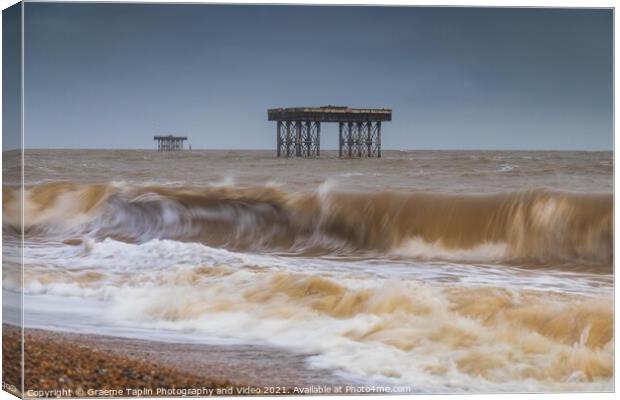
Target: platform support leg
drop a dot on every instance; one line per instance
(279, 138)
(340, 138)
(379, 139)
(318, 138)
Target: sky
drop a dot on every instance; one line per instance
(115, 75)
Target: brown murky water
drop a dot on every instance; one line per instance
(446, 271)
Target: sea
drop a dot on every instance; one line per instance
(443, 271)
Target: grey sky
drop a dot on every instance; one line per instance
(112, 76)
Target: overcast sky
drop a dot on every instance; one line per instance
(114, 75)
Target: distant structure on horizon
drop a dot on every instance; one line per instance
(170, 143)
(298, 130)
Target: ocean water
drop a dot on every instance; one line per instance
(445, 271)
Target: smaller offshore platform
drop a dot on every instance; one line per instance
(298, 130)
(170, 142)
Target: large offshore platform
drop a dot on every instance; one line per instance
(298, 130)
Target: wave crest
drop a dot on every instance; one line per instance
(536, 226)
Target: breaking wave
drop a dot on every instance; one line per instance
(241, 262)
(533, 227)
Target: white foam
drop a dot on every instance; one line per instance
(421, 249)
(218, 309)
(174, 297)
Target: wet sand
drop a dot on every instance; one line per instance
(77, 365)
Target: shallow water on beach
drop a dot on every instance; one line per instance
(445, 271)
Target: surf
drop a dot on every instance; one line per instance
(529, 227)
(434, 334)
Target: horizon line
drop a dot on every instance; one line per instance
(271, 149)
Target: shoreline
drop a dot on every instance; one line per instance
(64, 364)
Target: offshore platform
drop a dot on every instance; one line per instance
(170, 142)
(298, 130)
